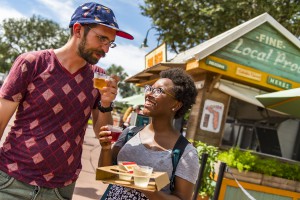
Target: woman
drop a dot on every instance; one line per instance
(169, 97)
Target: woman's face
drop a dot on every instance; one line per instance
(159, 99)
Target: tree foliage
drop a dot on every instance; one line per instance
(125, 89)
(183, 24)
(22, 35)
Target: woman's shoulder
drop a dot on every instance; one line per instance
(190, 149)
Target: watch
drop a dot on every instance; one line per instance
(105, 109)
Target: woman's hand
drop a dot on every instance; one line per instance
(105, 137)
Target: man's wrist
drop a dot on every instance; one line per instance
(105, 103)
(103, 108)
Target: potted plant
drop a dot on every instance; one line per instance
(208, 184)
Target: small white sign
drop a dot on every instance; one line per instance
(212, 116)
(199, 84)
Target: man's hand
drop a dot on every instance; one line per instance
(109, 93)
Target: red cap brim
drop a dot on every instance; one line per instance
(120, 33)
(125, 35)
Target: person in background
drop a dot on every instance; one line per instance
(125, 116)
(171, 96)
(53, 96)
(135, 109)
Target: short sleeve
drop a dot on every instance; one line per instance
(16, 83)
(188, 166)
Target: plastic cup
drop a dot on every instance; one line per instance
(115, 132)
(142, 177)
(121, 176)
(99, 80)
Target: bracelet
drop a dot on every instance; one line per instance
(105, 109)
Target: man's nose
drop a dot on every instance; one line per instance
(105, 48)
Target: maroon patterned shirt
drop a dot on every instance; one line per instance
(44, 146)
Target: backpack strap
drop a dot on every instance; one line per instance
(177, 152)
(132, 132)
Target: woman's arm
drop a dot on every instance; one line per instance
(108, 155)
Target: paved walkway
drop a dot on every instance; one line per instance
(87, 188)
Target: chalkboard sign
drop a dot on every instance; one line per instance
(268, 141)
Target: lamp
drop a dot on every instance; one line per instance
(144, 44)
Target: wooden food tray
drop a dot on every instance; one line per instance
(110, 174)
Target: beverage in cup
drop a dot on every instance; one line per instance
(99, 80)
(143, 174)
(115, 132)
(127, 167)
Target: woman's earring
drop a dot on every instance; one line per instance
(173, 109)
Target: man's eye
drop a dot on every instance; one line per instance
(102, 39)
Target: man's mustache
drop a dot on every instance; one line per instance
(102, 53)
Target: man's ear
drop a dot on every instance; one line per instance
(77, 30)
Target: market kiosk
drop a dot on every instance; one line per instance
(256, 57)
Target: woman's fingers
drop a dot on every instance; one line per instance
(105, 137)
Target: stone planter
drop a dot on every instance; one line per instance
(298, 187)
(281, 183)
(249, 177)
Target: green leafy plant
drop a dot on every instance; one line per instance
(246, 160)
(208, 184)
(242, 160)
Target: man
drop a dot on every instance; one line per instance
(52, 91)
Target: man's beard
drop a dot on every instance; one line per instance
(87, 54)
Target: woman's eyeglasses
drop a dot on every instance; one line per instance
(156, 91)
(103, 39)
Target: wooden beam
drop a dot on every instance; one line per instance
(214, 81)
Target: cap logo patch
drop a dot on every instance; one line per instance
(86, 13)
(97, 19)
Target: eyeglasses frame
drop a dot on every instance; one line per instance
(159, 89)
(103, 39)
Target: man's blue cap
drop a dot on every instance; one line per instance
(94, 13)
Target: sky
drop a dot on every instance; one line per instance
(127, 54)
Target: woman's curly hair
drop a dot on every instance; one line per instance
(184, 88)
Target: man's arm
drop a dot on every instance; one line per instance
(7, 109)
(108, 95)
(100, 119)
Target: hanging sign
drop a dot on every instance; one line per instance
(212, 116)
(156, 56)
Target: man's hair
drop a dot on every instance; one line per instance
(184, 88)
(86, 29)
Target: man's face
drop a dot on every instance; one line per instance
(90, 48)
(88, 53)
